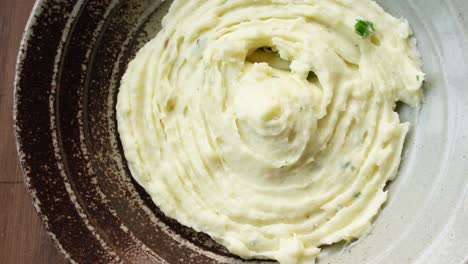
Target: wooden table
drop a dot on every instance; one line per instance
(22, 236)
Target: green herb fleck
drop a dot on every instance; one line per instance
(311, 75)
(338, 208)
(417, 78)
(315, 166)
(346, 165)
(285, 164)
(270, 50)
(364, 28)
(356, 195)
(301, 109)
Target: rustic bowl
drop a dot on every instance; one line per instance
(69, 68)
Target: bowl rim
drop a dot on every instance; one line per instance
(30, 164)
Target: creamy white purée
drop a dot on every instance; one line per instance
(272, 153)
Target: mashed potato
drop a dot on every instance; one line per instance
(270, 124)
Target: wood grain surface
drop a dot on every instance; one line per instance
(22, 236)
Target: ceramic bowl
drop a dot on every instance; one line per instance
(72, 58)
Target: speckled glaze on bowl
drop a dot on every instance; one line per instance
(71, 60)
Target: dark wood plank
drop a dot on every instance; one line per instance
(13, 17)
(22, 236)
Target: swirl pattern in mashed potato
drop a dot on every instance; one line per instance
(271, 151)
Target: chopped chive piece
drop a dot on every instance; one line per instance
(364, 28)
(270, 50)
(266, 49)
(356, 195)
(311, 75)
(346, 165)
